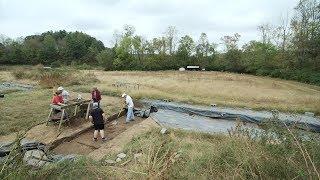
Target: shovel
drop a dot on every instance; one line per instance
(116, 121)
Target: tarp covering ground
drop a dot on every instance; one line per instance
(223, 113)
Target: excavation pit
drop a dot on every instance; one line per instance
(83, 144)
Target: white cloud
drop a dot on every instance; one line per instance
(150, 18)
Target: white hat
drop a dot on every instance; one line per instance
(60, 88)
(123, 95)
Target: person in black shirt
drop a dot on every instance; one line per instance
(97, 117)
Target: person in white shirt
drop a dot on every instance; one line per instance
(64, 93)
(130, 105)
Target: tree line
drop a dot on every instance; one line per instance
(290, 50)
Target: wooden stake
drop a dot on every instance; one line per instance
(49, 117)
(61, 119)
(88, 110)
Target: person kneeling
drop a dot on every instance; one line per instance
(97, 117)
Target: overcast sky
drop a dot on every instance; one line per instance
(100, 18)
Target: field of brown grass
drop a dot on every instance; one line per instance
(224, 89)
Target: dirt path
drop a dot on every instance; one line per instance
(83, 144)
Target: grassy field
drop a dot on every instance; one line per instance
(188, 155)
(179, 154)
(19, 109)
(225, 89)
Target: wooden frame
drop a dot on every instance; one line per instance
(63, 111)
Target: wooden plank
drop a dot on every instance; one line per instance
(76, 103)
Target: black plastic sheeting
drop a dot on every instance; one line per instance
(16, 86)
(245, 115)
(144, 113)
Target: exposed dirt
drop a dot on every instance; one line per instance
(83, 144)
(117, 144)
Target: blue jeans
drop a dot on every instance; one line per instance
(130, 115)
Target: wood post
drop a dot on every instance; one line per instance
(88, 110)
(61, 119)
(49, 117)
(75, 110)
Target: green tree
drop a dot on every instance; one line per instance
(185, 50)
(31, 50)
(306, 32)
(204, 51)
(48, 51)
(105, 58)
(171, 35)
(233, 56)
(255, 54)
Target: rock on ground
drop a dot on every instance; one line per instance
(163, 131)
(121, 155)
(35, 158)
(35, 154)
(36, 163)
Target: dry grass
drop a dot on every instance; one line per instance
(225, 89)
(189, 155)
(20, 110)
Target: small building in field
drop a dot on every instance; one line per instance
(193, 68)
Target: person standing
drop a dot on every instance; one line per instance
(130, 105)
(96, 95)
(97, 117)
(64, 93)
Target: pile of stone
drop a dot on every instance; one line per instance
(34, 153)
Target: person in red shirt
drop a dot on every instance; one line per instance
(57, 103)
(58, 99)
(96, 95)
